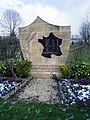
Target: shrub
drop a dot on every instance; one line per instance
(4, 70)
(1, 66)
(22, 68)
(80, 70)
(64, 70)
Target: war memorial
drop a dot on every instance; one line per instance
(46, 46)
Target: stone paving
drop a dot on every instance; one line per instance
(40, 90)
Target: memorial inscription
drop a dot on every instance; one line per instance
(51, 45)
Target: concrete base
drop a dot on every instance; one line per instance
(43, 74)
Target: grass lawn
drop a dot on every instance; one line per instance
(16, 110)
(79, 53)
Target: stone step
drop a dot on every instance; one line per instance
(43, 74)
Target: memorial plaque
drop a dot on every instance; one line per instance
(51, 45)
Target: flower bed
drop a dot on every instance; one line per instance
(6, 87)
(9, 86)
(74, 92)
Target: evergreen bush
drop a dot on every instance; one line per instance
(20, 67)
(4, 70)
(64, 70)
(80, 70)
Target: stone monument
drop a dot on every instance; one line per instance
(46, 45)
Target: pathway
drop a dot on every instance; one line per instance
(41, 90)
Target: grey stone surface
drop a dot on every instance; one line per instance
(41, 90)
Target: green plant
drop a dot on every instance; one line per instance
(1, 66)
(22, 68)
(64, 70)
(80, 69)
(4, 70)
(25, 110)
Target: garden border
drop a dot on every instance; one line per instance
(20, 86)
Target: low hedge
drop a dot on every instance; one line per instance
(76, 70)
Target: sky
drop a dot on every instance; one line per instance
(57, 12)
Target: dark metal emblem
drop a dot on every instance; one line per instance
(51, 45)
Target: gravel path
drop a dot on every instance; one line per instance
(41, 90)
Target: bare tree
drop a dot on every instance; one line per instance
(10, 21)
(85, 30)
(9, 45)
